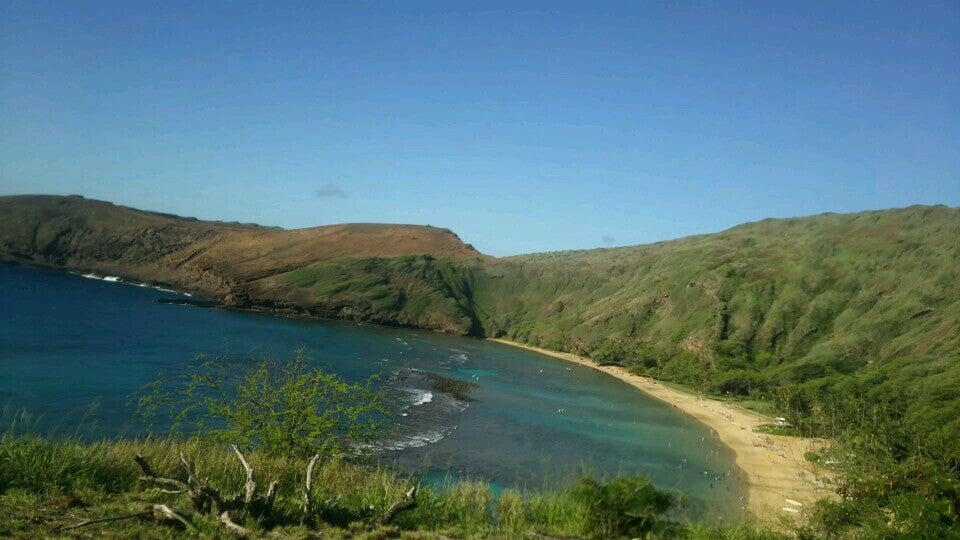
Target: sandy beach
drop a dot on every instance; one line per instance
(779, 482)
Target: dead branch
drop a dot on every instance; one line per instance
(228, 522)
(251, 485)
(149, 476)
(121, 517)
(202, 496)
(209, 497)
(271, 495)
(409, 500)
(144, 466)
(163, 512)
(191, 477)
(160, 512)
(308, 488)
(169, 491)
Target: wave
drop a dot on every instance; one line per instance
(416, 440)
(118, 279)
(159, 288)
(420, 397)
(111, 279)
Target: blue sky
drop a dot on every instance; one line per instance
(522, 126)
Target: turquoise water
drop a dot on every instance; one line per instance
(74, 350)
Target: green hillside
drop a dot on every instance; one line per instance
(809, 302)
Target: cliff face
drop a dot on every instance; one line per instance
(211, 258)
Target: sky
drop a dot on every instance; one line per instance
(522, 126)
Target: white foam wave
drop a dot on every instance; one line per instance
(419, 397)
(422, 396)
(112, 279)
(118, 279)
(157, 287)
(415, 441)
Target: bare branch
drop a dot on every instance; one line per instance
(144, 466)
(149, 476)
(271, 495)
(163, 512)
(232, 526)
(251, 485)
(308, 491)
(121, 517)
(180, 486)
(408, 501)
(212, 497)
(160, 512)
(191, 477)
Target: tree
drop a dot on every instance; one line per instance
(287, 408)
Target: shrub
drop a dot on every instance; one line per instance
(628, 506)
(281, 408)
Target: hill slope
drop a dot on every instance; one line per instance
(212, 258)
(832, 303)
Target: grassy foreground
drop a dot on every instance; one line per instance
(46, 485)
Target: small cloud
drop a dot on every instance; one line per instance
(608, 240)
(331, 190)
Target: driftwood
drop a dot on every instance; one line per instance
(207, 500)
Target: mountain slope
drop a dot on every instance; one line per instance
(836, 290)
(833, 303)
(212, 258)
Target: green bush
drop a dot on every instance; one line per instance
(280, 408)
(628, 506)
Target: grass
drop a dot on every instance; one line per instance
(48, 484)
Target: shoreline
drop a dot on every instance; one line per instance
(779, 483)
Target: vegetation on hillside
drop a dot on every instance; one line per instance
(805, 304)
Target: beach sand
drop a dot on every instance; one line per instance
(780, 484)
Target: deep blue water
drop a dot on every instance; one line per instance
(74, 350)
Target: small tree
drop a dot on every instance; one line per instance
(281, 408)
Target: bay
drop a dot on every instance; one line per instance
(74, 351)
